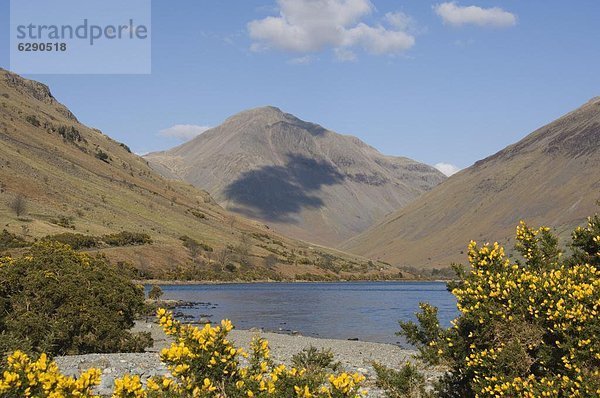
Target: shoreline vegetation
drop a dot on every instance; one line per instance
(163, 282)
(527, 327)
(235, 264)
(353, 356)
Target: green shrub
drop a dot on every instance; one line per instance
(63, 221)
(202, 363)
(76, 241)
(59, 301)
(314, 360)
(33, 120)
(407, 382)
(198, 214)
(11, 241)
(155, 293)
(193, 245)
(126, 238)
(70, 134)
(103, 156)
(527, 327)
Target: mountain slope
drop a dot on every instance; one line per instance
(551, 177)
(308, 182)
(75, 179)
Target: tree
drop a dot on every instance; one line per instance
(18, 205)
(271, 261)
(243, 249)
(155, 293)
(222, 257)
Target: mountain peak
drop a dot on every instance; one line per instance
(304, 180)
(265, 117)
(262, 111)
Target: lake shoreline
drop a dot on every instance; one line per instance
(163, 282)
(368, 311)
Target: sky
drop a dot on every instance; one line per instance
(445, 83)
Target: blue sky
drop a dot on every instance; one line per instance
(436, 82)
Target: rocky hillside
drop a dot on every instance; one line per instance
(306, 181)
(551, 177)
(58, 176)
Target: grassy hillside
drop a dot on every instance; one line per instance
(74, 179)
(551, 177)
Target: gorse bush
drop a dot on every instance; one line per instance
(80, 241)
(202, 363)
(528, 328)
(315, 360)
(103, 156)
(24, 377)
(407, 382)
(76, 241)
(59, 301)
(33, 120)
(63, 221)
(70, 134)
(126, 238)
(11, 241)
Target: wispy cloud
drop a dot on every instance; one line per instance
(344, 55)
(305, 60)
(456, 15)
(306, 26)
(447, 168)
(183, 132)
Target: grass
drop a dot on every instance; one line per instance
(68, 189)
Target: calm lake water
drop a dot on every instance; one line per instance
(368, 311)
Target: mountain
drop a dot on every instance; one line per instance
(551, 177)
(304, 180)
(74, 179)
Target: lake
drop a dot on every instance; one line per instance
(368, 311)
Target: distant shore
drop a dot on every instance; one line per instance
(167, 282)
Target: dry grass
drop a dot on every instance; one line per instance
(61, 178)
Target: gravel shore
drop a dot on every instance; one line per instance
(355, 356)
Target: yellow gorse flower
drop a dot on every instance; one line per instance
(559, 301)
(24, 377)
(204, 363)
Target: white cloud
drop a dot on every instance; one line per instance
(183, 132)
(447, 168)
(453, 14)
(404, 22)
(344, 55)
(305, 60)
(306, 26)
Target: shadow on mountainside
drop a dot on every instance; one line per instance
(276, 193)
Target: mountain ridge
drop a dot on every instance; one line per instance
(321, 186)
(76, 180)
(550, 177)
